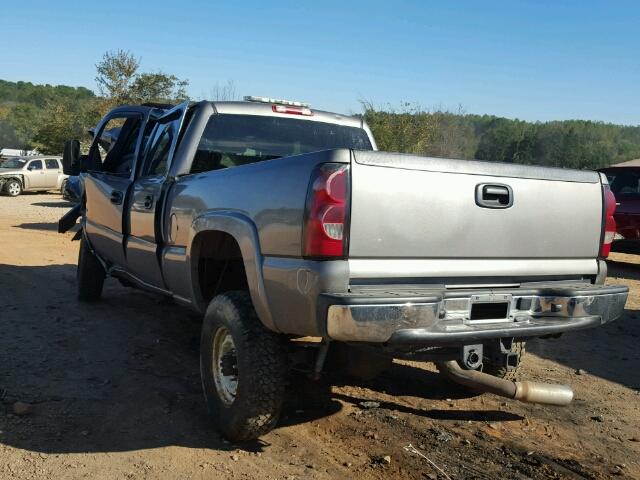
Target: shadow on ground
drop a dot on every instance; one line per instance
(45, 226)
(58, 204)
(610, 351)
(123, 374)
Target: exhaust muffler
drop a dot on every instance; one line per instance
(531, 392)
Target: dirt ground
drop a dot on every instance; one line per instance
(115, 392)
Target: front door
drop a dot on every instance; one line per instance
(145, 212)
(112, 157)
(35, 177)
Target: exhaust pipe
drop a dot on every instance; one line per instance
(531, 392)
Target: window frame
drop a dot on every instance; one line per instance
(55, 160)
(100, 129)
(32, 162)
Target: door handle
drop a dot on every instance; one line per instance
(494, 195)
(147, 202)
(116, 197)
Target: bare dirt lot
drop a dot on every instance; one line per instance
(115, 392)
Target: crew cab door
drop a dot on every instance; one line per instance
(52, 171)
(147, 199)
(112, 159)
(35, 175)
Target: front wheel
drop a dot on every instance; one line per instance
(243, 368)
(13, 188)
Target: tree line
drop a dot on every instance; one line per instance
(568, 143)
(44, 116)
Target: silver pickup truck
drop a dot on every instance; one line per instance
(284, 227)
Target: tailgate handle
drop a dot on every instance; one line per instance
(494, 195)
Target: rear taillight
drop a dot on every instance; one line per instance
(325, 226)
(609, 222)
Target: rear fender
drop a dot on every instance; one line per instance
(244, 231)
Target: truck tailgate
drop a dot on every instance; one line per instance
(408, 207)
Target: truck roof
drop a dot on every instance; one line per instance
(266, 109)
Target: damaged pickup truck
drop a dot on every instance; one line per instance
(298, 242)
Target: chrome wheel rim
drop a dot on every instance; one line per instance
(14, 189)
(225, 366)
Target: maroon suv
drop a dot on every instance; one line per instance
(624, 180)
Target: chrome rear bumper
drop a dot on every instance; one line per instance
(439, 317)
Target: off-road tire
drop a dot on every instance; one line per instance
(261, 363)
(500, 370)
(13, 188)
(89, 275)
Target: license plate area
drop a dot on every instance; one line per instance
(489, 309)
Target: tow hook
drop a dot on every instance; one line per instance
(525, 391)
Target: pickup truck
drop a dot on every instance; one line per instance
(297, 241)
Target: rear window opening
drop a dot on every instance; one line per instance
(234, 140)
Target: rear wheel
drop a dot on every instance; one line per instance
(13, 188)
(89, 275)
(243, 368)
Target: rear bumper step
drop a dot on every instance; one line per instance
(432, 317)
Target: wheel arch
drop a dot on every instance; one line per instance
(17, 176)
(8, 178)
(234, 233)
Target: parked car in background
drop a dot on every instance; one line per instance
(27, 174)
(625, 185)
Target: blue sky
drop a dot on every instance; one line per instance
(535, 60)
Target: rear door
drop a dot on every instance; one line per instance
(52, 170)
(147, 198)
(113, 154)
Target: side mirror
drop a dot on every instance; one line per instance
(30, 167)
(71, 157)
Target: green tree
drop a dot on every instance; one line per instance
(119, 82)
(65, 120)
(158, 87)
(116, 73)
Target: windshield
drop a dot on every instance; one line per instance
(233, 140)
(13, 163)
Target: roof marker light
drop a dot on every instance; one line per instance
(251, 98)
(292, 110)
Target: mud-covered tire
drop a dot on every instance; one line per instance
(258, 362)
(13, 188)
(89, 275)
(499, 369)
